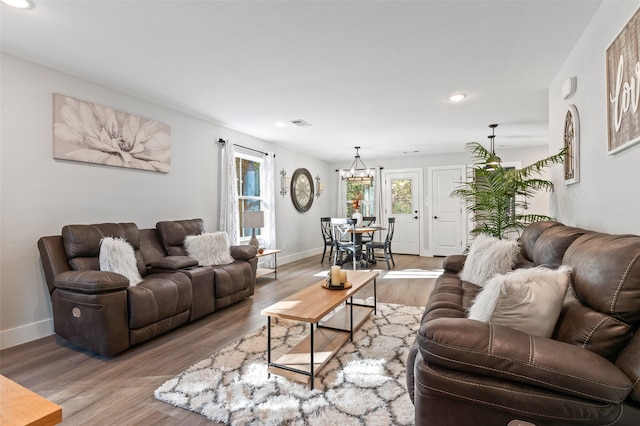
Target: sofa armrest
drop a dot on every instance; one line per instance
(174, 263)
(243, 252)
(454, 263)
(501, 352)
(91, 282)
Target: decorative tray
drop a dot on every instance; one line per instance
(328, 285)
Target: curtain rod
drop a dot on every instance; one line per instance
(222, 141)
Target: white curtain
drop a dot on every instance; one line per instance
(341, 211)
(378, 200)
(378, 195)
(269, 207)
(229, 192)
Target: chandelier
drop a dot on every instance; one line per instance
(358, 172)
(494, 160)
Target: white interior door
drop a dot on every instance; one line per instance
(402, 200)
(447, 219)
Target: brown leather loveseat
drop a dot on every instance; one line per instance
(466, 372)
(99, 311)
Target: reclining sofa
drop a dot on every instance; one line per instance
(99, 311)
(466, 372)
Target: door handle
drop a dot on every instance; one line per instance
(415, 217)
(435, 217)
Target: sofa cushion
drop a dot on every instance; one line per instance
(607, 274)
(606, 286)
(232, 279)
(531, 234)
(82, 243)
(209, 249)
(157, 298)
(172, 234)
(504, 353)
(487, 257)
(551, 245)
(117, 255)
(528, 300)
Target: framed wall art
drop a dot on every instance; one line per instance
(91, 133)
(623, 87)
(572, 146)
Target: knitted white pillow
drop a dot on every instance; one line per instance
(209, 248)
(529, 300)
(117, 255)
(487, 257)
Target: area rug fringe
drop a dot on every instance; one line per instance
(364, 383)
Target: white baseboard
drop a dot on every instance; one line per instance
(26, 333)
(283, 259)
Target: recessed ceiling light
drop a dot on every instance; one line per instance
(20, 4)
(457, 97)
(280, 124)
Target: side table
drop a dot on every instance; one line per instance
(265, 271)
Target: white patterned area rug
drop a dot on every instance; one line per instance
(364, 383)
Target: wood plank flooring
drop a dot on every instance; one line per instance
(96, 390)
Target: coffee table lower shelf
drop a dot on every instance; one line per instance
(328, 336)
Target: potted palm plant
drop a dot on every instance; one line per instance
(496, 197)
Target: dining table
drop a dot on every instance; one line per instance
(358, 232)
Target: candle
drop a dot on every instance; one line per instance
(335, 275)
(343, 276)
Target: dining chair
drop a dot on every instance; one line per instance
(344, 239)
(327, 236)
(374, 248)
(368, 221)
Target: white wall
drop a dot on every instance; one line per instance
(39, 195)
(607, 198)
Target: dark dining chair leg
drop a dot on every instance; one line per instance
(386, 258)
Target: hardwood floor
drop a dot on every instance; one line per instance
(119, 391)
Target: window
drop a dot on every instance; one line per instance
(365, 194)
(250, 191)
(401, 196)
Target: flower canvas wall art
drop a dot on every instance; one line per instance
(91, 133)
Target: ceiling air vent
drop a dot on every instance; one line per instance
(300, 123)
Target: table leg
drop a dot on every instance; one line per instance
(275, 266)
(313, 377)
(268, 344)
(351, 312)
(375, 298)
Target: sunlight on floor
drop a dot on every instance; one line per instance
(413, 273)
(404, 274)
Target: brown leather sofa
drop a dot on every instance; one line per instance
(100, 312)
(466, 372)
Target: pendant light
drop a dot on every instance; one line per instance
(358, 172)
(494, 160)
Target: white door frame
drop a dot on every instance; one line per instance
(421, 206)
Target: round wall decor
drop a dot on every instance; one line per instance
(302, 190)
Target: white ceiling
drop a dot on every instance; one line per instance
(371, 73)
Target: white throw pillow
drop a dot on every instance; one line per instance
(209, 249)
(529, 300)
(117, 255)
(487, 257)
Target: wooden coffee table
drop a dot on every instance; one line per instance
(20, 406)
(325, 337)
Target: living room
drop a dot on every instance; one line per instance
(40, 194)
